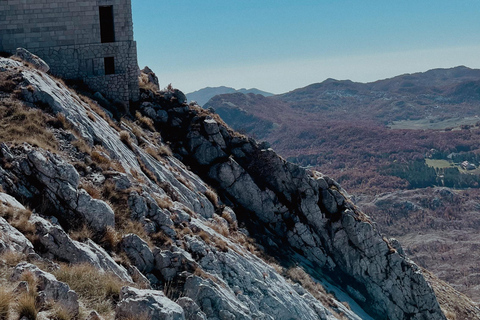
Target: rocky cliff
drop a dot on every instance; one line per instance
(134, 201)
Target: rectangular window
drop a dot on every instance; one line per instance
(109, 65)
(107, 28)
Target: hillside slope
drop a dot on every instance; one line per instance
(88, 192)
(203, 95)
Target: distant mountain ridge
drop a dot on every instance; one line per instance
(203, 95)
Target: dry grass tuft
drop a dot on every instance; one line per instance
(32, 281)
(11, 258)
(153, 153)
(98, 290)
(111, 238)
(6, 299)
(9, 81)
(164, 202)
(27, 307)
(61, 313)
(212, 197)
(19, 124)
(144, 121)
(126, 139)
(299, 275)
(82, 146)
(136, 227)
(92, 190)
(219, 227)
(19, 219)
(90, 116)
(222, 245)
(99, 158)
(145, 84)
(82, 234)
(204, 236)
(164, 150)
(147, 171)
(161, 239)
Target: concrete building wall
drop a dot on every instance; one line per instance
(66, 34)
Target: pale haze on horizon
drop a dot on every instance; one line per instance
(278, 46)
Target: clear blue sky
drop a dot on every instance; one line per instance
(278, 45)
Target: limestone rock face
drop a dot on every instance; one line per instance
(61, 246)
(138, 252)
(191, 309)
(29, 57)
(150, 303)
(43, 173)
(173, 261)
(10, 238)
(50, 289)
(308, 211)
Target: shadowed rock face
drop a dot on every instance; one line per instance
(305, 212)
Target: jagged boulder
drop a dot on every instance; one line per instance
(13, 240)
(172, 262)
(42, 173)
(34, 60)
(50, 289)
(138, 252)
(151, 304)
(148, 76)
(215, 303)
(191, 309)
(10, 238)
(60, 180)
(60, 246)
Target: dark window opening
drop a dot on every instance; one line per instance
(109, 65)
(107, 29)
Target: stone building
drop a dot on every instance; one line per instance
(91, 40)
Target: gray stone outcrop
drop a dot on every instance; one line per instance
(309, 211)
(138, 252)
(46, 173)
(172, 262)
(151, 304)
(60, 246)
(34, 60)
(50, 289)
(10, 238)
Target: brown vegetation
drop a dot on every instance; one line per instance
(20, 124)
(26, 307)
(98, 290)
(144, 121)
(19, 219)
(6, 298)
(82, 234)
(126, 139)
